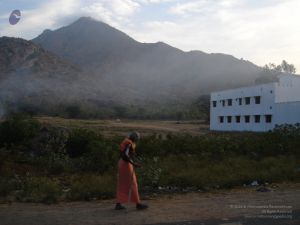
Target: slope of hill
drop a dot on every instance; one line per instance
(126, 69)
(93, 65)
(18, 56)
(88, 43)
(31, 75)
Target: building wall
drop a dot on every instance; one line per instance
(288, 89)
(287, 113)
(266, 107)
(280, 100)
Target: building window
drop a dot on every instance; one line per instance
(268, 118)
(240, 101)
(257, 118)
(247, 119)
(229, 118)
(214, 103)
(223, 102)
(229, 102)
(247, 100)
(257, 99)
(237, 119)
(221, 119)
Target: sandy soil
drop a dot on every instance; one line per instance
(233, 207)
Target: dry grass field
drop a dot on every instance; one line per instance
(122, 127)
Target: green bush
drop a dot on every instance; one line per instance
(184, 171)
(50, 140)
(18, 130)
(39, 189)
(150, 173)
(7, 186)
(84, 162)
(79, 142)
(53, 163)
(90, 187)
(100, 158)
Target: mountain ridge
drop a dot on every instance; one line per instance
(107, 68)
(107, 52)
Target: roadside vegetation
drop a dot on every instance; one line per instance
(40, 163)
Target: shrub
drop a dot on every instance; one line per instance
(150, 173)
(53, 163)
(185, 171)
(7, 186)
(90, 187)
(51, 140)
(100, 158)
(79, 142)
(18, 130)
(40, 189)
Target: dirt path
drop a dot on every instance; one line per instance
(243, 206)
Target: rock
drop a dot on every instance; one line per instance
(254, 183)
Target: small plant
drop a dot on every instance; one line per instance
(150, 173)
(91, 187)
(40, 189)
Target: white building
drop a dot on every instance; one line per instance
(257, 108)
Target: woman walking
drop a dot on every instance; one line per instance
(127, 188)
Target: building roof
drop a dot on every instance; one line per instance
(283, 75)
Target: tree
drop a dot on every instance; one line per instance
(283, 67)
(288, 68)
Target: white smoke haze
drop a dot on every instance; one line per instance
(113, 70)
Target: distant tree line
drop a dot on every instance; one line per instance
(271, 71)
(197, 109)
(284, 67)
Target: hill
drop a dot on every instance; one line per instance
(89, 66)
(129, 71)
(30, 75)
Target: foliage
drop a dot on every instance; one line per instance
(39, 189)
(79, 142)
(99, 158)
(195, 109)
(150, 173)
(271, 71)
(183, 171)
(17, 130)
(91, 187)
(283, 67)
(80, 164)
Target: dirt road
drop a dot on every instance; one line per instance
(244, 206)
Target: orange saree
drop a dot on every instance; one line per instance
(127, 187)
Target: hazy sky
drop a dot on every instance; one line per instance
(261, 31)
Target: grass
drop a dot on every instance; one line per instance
(230, 172)
(55, 164)
(122, 127)
(88, 187)
(174, 170)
